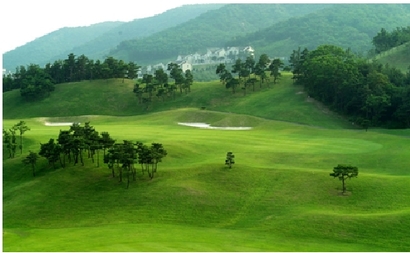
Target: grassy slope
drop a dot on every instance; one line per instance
(278, 196)
(396, 57)
(282, 101)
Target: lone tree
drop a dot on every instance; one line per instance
(22, 128)
(230, 159)
(344, 172)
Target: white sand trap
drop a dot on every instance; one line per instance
(208, 126)
(59, 123)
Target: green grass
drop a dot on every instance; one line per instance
(397, 57)
(277, 197)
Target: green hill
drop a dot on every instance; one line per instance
(113, 97)
(397, 57)
(277, 197)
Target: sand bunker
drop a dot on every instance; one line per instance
(58, 123)
(208, 126)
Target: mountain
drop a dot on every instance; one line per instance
(95, 41)
(40, 50)
(274, 29)
(211, 29)
(346, 25)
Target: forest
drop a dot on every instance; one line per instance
(369, 93)
(385, 40)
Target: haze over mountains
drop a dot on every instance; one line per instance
(274, 29)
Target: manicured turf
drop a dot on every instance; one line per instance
(277, 197)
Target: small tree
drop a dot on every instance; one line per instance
(344, 172)
(9, 141)
(157, 153)
(230, 159)
(31, 159)
(21, 127)
(274, 68)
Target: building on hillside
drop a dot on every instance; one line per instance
(232, 50)
(249, 51)
(184, 65)
(212, 56)
(196, 58)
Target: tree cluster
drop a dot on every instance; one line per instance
(249, 73)
(35, 82)
(384, 40)
(124, 156)
(72, 145)
(78, 142)
(368, 92)
(158, 86)
(10, 138)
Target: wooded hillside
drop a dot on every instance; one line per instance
(97, 40)
(344, 25)
(211, 29)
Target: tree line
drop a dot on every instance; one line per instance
(369, 93)
(35, 82)
(245, 74)
(385, 40)
(157, 86)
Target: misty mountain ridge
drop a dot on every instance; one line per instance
(274, 29)
(96, 40)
